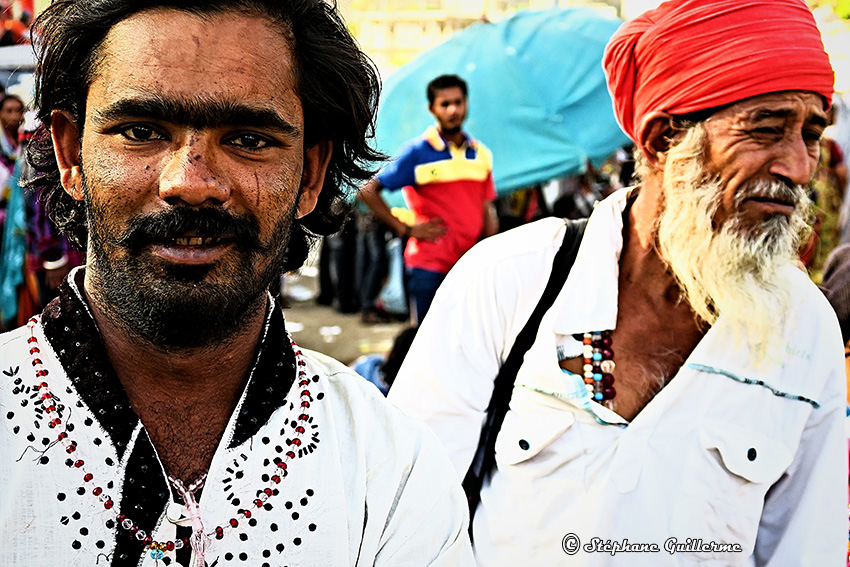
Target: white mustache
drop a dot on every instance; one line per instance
(771, 189)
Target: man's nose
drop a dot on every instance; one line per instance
(190, 176)
(794, 162)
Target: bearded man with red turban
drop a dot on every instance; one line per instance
(677, 398)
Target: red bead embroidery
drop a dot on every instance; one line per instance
(108, 504)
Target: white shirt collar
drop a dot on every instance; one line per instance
(594, 307)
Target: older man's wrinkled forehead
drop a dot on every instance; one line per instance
(691, 55)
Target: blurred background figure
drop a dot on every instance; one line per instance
(382, 370)
(826, 189)
(13, 30)
(447, 180)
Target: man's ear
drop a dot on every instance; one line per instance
(316, 160)
(656, 132)
(66, 145)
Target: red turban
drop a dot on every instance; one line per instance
(691, 55)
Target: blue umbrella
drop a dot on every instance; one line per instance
(537, 94)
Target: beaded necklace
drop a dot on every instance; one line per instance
(599, 367)
(199, 539)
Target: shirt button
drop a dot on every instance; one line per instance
(523, 444)
(751, 454)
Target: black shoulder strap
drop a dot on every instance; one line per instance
(485, 455)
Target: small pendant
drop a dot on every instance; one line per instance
(198, 540)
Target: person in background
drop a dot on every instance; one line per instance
(11, 117)
(447, 179)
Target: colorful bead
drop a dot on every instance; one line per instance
(598, 366)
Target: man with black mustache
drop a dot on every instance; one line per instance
(681, 401)
(157, 412)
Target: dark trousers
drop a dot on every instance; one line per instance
(421, 287)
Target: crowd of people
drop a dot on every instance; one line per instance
(34, 255)
(654, 381)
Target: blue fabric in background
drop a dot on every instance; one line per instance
(14, 247)
(537, 94)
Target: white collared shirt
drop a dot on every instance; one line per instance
(367, 487)
(727, 454)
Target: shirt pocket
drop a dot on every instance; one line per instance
(523, 438)
(725, 481)
(537, 453)
(534, 439)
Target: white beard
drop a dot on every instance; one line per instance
(732, 270)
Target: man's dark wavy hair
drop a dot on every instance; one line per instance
(338, 85)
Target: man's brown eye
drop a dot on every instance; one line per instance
(140, 133)
(249, 141)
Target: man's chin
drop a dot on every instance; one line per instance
(183, 306)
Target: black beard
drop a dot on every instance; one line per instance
(450, 131)
(175, 306)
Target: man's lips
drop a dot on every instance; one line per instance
(191, 249)
(195, 241)
(771, 205)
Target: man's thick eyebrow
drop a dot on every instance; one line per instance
(197, 114)
(767, 114)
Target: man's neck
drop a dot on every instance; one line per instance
(655, 331)
(11, 135)
(640, 262)
(172, 372)
(455, 137)
(183, 397)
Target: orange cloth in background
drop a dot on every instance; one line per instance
(692, 55)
